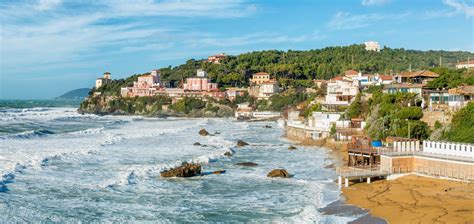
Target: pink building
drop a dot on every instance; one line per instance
(146, 85)
(200, 84)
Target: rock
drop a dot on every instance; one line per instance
(185, 170)
(267, 126)
(197, 144)
(330, 166)
(227, 153)
(241, 143)
(217, 133)
(292, 147)
(203, 132)
(279, 173)
(247, 164)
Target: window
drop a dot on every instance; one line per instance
(449, 147)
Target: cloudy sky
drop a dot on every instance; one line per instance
(51, 46)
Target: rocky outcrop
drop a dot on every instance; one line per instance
(203, 132)
(185, 170)
(247, 164)
(241, 143)
(227, 153)
(292, 147)
(279, 173)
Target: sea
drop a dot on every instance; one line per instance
(57, 165)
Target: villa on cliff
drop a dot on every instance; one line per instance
(99, 82)
(216, 58)
(146, 85)
(262, 86)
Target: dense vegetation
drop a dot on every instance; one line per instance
(394, 115)
(451, 78)
(462, 126)
(291, 66)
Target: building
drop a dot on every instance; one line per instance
(244, 111)
(460, 96)
(268, 89)
(146, 85)
(404, 88)
(465, 64)
(384, 79)
(259, 78)
(232, 93)
(200, 83)
(340, 92)
(417, 77)
(216, 58)
(322, 122)
(372, 46)
(99, 82)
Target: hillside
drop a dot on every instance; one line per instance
(296, 68)
(75, 94)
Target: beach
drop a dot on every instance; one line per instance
(415, 199)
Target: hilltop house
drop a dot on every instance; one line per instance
(259, 78)
(372, 46)
(99, 82)
(216, 58)
(146, 85)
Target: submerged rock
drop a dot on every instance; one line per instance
(267, 126)
(217, 133)
(227, 153)
(247, 164)
(185, 170)
(203, 132)
(241, 143)
(279, 173)
(292, 147)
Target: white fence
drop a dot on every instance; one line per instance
(449, 148)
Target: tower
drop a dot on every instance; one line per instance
(107, 75)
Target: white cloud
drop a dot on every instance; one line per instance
(460, 7)
(347, 21)
(374, 2)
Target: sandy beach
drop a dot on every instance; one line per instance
(415, 199)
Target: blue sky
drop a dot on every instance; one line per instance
(51, 46)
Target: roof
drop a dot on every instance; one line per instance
(351, 73)
(462, 90)
(422, 73)
(465, 62)
(260, 74)
(336, 78)
(386, 77)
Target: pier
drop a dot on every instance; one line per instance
(352, 173)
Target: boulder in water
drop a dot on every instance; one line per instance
(241, 143)
(185, 170)
(292, 147)
(203, 132)
(197, 144)
(279, 173)
(267, 126)
(247, 164)
(227, 153)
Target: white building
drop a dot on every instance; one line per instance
(322, 122)
(465, 64)
(99, 82)
(460, 96)
(372, 46)
(243, 110)
(449, 148)
(341, 92)
(201, 73)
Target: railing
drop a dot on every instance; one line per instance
(391, 152)
(349, 172)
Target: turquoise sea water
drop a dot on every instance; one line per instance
(60, 166)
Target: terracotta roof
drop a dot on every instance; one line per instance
(422, 73)
(336, 78)
(462, 90)
(466, 62)
(386, 77)
(260, 74)
(351, 72)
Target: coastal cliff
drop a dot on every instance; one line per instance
(159, 106)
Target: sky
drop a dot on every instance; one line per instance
(48, 47)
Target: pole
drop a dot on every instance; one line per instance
(408, 129)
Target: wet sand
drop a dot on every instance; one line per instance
(415, 199)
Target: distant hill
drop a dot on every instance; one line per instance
(75, 94)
